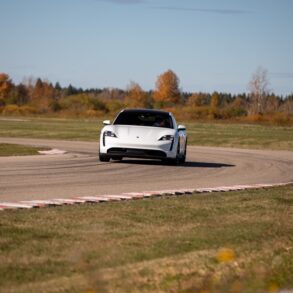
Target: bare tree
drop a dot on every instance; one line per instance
(259, 91)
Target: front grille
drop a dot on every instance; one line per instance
(136, 153)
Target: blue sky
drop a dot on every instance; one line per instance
(210, 44)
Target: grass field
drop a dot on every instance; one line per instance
(221, 242)
(206, 134)
(7, 149)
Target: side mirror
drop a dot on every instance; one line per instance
(181, 127)
(106, 122)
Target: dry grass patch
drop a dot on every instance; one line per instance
(7, 149)
(220, 242)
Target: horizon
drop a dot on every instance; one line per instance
(33, 80)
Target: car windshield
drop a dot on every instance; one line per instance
(152, 119)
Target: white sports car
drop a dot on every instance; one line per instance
(143, 133)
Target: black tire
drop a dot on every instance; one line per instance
(175, 161)
(104, 158)
(183, 158)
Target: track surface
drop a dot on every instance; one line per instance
(79, 172)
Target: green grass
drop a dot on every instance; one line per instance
(162, 244)
(69, 129)
(241, 135)
(7, 149)
(205, 134)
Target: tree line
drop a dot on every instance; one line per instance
(41, 97)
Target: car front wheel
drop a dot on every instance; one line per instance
(104, 158)
(177, 160)
(183, 158)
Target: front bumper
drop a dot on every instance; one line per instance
(136, 153)
(157, 150)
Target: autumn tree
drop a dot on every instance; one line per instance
(136, 97)
(5, 87)
(237, 107)
(272, 104)
(287, 106)
(43, 94)
(197, 100)
(215, 101)
(19, 95)
(111, 94)
(167, 89)
(214, 106)
(259, 91)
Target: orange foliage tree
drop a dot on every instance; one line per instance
(214, 106)
(136, 97)
(196, 100)
(42, 95)
(167, 90)
(5, 87)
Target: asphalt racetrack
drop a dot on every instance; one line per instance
(80, 173)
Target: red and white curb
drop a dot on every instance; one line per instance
(29, 204)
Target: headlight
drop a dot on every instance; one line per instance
(110, 133)
(167, 137)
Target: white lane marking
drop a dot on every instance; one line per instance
(223, 188)
(52, 152)
(171, 192)
(15, 205)
(152, 193)
(78, 200)
(201, 190)
(134, 194)
(121, 196)
(109, 198)
(68, 201)
(50, 202)
(264, 185)
(138, 194)
(187, 191)
(93, 198)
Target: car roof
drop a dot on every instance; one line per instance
(154, 111)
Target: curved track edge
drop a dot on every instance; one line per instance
(30, 204)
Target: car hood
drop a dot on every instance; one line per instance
(144, 133)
